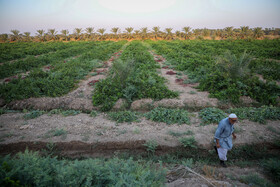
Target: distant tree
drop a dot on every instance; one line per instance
(144, 32)
(40, 34)
(27, 36)
(206, 32)
(197, 33)
(229, 31)
(101, 31)
(129, 30)
(156, 32)
(52, 33)
(168, 33)
(15, 35)
(245, 32)
(4, 37)
(178, 34)
(115, 30)
(77, 33)
(65, 33)
(136, 33)
(258, 32)
(89, 32)
(187, 32)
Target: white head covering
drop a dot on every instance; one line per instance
(232, 116)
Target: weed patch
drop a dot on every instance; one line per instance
(123, 116)
(211, 115)
(169, 116)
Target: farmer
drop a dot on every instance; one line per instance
(223, 138)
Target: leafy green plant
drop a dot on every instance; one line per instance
(255, 179)
(56, 132)
(132, 77)
(54, 111)
(211, 115)
(151, 146)
(188, 142)
(93, 113)
(272, 167)
(33, 114)
(169, 116)
(123, 116)
(177, 134)
(257, 114)
(70, 112)
(30, 169)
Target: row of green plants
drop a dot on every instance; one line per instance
(31, 62)
(31, 169)
(207, 115)
(224, 68)
(62, 78)
(171, 116)
(269, 69)
(132, 77)
(14, 51)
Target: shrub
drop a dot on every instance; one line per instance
(188, 142)
(32, 170)
(33, 114)
(151, 146)
(255, 180)
(123, 116)
(211, 115)
(272, 167)
(169, 116)
(70, 112)
(257, 114)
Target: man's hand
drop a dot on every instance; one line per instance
(233, 135)
(218, 145)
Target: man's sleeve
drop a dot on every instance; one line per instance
(219, 130)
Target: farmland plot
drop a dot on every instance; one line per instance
(117, 77)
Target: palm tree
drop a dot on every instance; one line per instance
(89, 32)
(206, 32)
(178, 34)
(129, 30)
(115, 30)
(197, 32)
(52, 33)
(136, 32)
(101, 31)
(144, 32)
(40, 33)
(245, 32)
(27, 36)
(168, 33)
(77, 33)
(258, 32)
(233, 66)
(187, 31)
(65, 34)
(156, 31)
(229, 31)
(15, 36)
(4, 37)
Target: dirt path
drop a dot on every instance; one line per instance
(189, 97)
(87, 129)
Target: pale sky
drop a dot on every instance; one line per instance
(31, 15)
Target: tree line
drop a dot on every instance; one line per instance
(129, 33)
